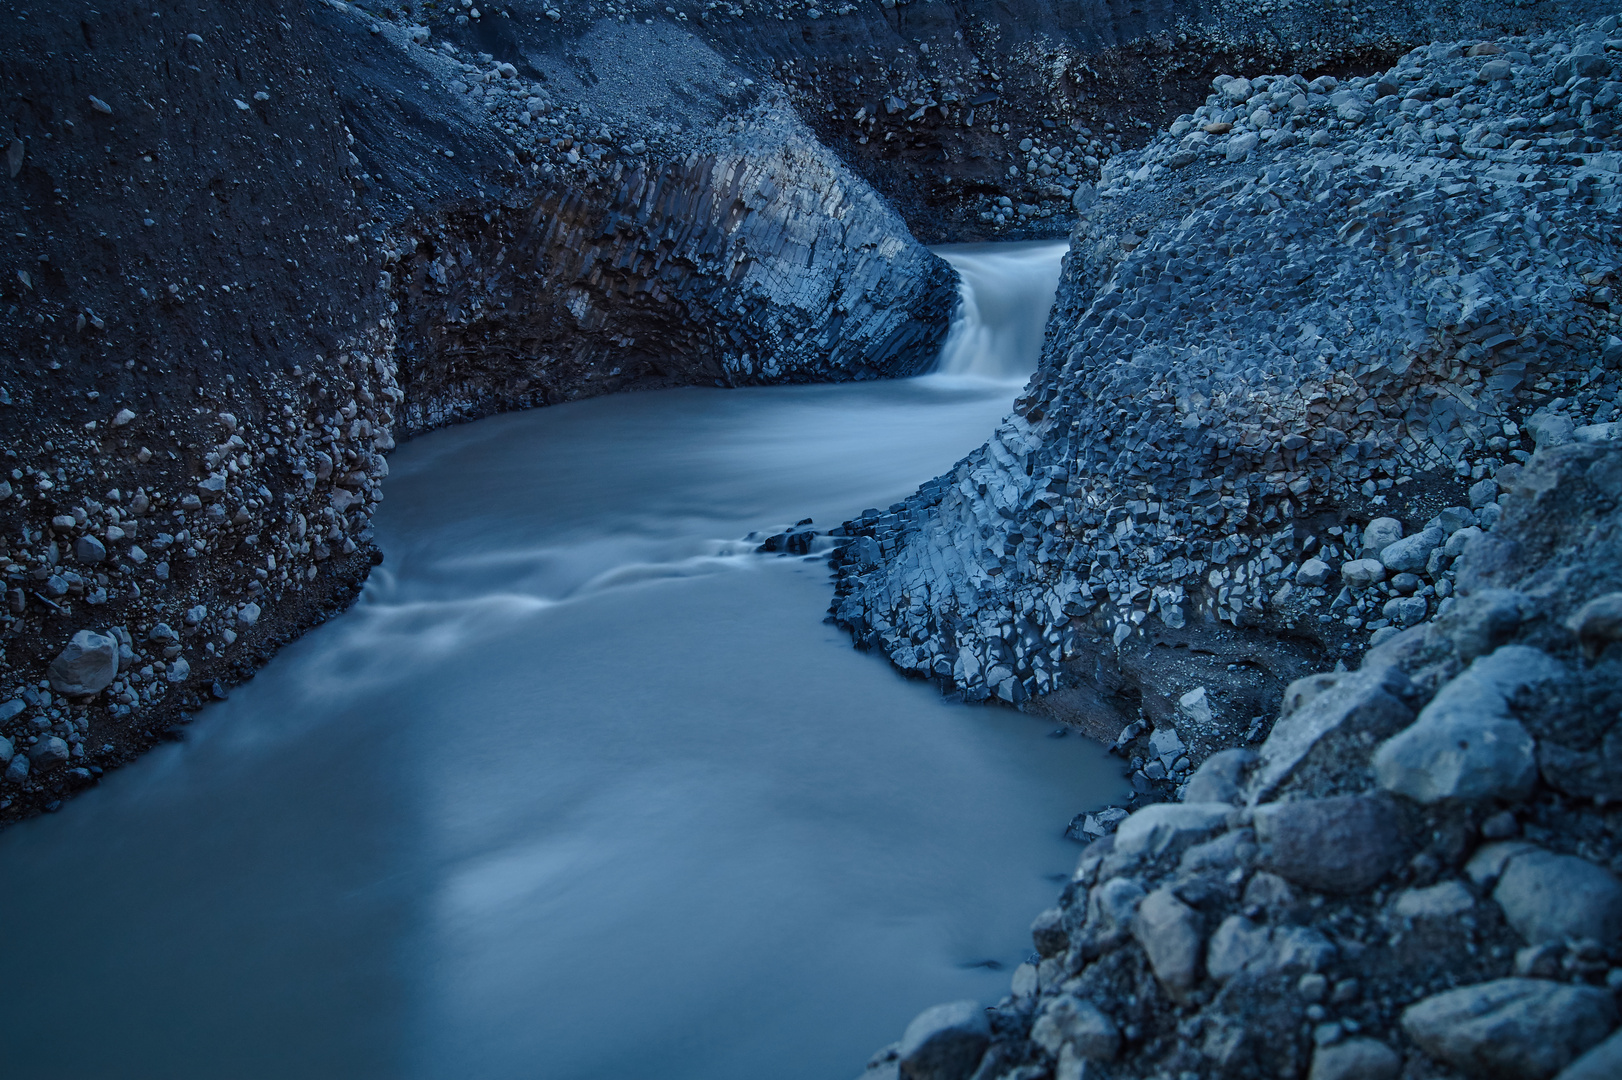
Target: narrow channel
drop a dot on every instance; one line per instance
(582, 787)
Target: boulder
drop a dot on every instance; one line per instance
(86, 665)
(1598, 623)
(1069, 1022)
(1511, 1029)
(1048, 933)
(1550, 897)
(1448, 900)
(1341, 845)
(1411, 553)
(1237, 944)
(1465, 744)
(1169, 932)
(1111, 906)
(1313, 574)
(87, 549)
(1381, 533)
(1359, 574)
(1603, 1062)
(1329, 710)
(1355, 1059)
(1168, 828)
(49, 753)
(944, 1042)
(1217, 778)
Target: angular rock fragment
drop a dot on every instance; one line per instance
(86, 665)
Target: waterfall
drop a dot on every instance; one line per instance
(1005, 292)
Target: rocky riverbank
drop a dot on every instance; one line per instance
(1331, 381)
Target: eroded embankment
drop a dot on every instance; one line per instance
(1332, 376)
(211, 373)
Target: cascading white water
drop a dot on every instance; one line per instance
(583, 788)
(1005, 292)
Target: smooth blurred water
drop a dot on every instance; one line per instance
(582, 787)
(1005, 292)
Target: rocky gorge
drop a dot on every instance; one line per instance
(1308, 511)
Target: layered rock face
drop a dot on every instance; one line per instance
(1302, 341)
(758, 259)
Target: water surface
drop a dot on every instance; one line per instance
(581, 788)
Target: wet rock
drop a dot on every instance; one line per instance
(1340, 845)
(86, 665)
(1067, 1022)
(1511, 1029)
(944, 1042)
(1550, 897)
(1355, 1059)
(1169, 932)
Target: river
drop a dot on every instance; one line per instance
(582, 787)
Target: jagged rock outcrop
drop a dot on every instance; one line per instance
(1302, 343)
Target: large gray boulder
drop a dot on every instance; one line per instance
(1466, 744)
(1550, 897)
(1511, 1029)
(87, 665)
(1340, 845)
(944, 1042)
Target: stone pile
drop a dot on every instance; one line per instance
(1415, 875)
